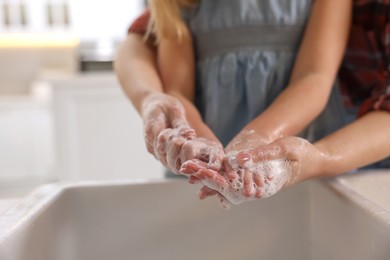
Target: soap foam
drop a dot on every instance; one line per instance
(274, 175)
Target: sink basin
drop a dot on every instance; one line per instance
(165, 220)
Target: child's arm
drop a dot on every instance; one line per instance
(360, 143)
(176, 66)
(314, 72)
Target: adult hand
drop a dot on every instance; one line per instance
(180, 149)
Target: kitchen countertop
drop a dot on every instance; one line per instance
(369, 189)
(12, 195)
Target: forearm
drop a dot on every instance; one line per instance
(365, 141)
(314, 71)
(194, 118)
(136, 69)
(294, 109)
(176, 64)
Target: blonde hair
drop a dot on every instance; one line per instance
(166, 21)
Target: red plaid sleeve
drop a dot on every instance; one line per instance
(365, 72)
(380, 101)
(140, 24)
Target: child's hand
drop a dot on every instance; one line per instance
(303, 159)
(199, 172)
(171, 140)
(249, 180)
(244, 141)
(260, 172)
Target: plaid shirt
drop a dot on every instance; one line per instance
(365, 71)
(140, 24)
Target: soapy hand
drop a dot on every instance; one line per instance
(257, 172)
(303, 159)
(249, 180)
(179, 147)
(245, 140)
(171, 140)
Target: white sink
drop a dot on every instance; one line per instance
(165, 220)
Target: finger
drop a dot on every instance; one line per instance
(190, 150)
(187, 133)
(259, 193)
(205, 192)
(248, 184)
(258, 180)
(197, 148)
(231, 174)
(224, 203)
(213, 180)
(243, 158)
(192, 166)
(216, 158)
(193, 180)
(259, 185)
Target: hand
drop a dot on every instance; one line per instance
(304, 160)
(263, 171)
(171, 140)
(161, 112)
(245, 140)
(195, 169)
(251, 180)
(179, 148)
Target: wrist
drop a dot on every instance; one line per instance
(146, 98)
(329, 163)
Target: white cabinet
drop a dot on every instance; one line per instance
(98, 132)
(26, 141)
(86, 19)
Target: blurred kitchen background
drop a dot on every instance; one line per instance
(63, 115)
